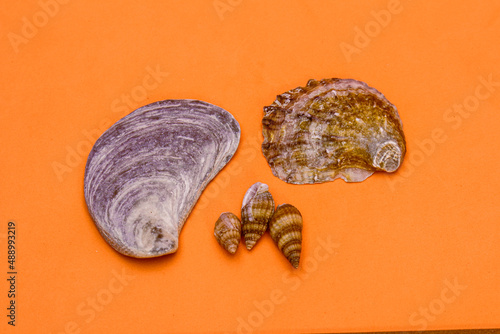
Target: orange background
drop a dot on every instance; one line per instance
(398, 240)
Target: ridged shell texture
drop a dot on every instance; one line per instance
(333, 128)
(147, 171)
(286, 230)
(256, 212)
(227, 231)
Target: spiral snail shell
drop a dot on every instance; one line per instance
(286, 230)
(227, 231)
(256, 211)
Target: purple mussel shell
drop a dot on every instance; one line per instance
(147, 171)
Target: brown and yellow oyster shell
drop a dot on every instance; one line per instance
(333, 128)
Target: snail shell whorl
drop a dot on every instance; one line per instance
(388, 156)
(227, 231)
(256, 211)
(286, 231)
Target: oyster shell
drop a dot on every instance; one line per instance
(256, 211)
(146, 172)
(333, 128)
(286, 230)
(227, 231)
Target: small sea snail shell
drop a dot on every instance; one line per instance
(256, 211)
(227, 231)
(286, 230)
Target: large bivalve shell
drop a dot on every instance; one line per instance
(286, 230)
(256, 212)
(333, 128)
(145, 173)
(227, 231)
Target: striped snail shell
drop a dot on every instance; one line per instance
(286, 230)
(227, 231)
(256, 211)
